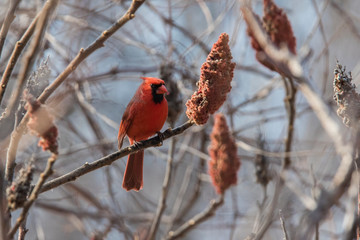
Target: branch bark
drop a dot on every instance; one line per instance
(29, 58)
(197, 219)
(20, 45)
(82, 55)
(291, 67)
(165, 189)
(34, 195)
(9, 18)
(109, 159)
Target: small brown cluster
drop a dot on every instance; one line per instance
(41, 124)
(19, 189)
(277, 26)
(346, 97)
(224, 161)
(214, 84)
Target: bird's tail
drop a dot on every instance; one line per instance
(133, 176)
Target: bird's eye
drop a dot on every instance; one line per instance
(152, 85)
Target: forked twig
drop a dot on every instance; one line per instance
(197, 219)
(34, 195)
(82, 55)
(164, 192)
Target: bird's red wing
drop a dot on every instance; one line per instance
(124, 126)
(122, 133)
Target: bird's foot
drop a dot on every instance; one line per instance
(137, 144)
(161, 136)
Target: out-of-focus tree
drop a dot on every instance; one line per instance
(265, 69)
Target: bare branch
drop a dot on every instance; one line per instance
(20, 45)
(197, 219)
(34, 194)
(282, 222)
(165, 189)
(29, 58)
(9, 18)
(109, 159)
(82, 55)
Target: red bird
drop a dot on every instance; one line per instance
(144, 116)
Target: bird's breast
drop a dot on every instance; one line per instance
(149, 119)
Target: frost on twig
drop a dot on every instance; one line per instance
(39, 79)
(346, 97)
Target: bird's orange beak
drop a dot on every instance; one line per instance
(162, 90)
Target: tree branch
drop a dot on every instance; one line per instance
(109, 159)
(165, 189)
(289, 100)
(82, 55)
(197, 219)
(9, 18)
(290, 66)
(34, 194)
(20, 45)
(29, 58)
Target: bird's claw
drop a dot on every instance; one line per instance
(161, 137)
(137, 144)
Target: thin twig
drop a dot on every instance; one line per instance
(9, 18)
(5, 214)
(165, 190)
(109, 159)
(282, 223)
(197, 219)
(349, 21)
(291, 112)
(20, 45)
(30, 55)
(180, 197)
(34, 194)
(186, 32)
(28, 59)
(290, 66)
(82, 55)
(22, 230)
(197, 188)
(269, 215)
(236, 213)
(358, 205)
(326, 46)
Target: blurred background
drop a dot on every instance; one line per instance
(170, 40)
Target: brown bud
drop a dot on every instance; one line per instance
(214, 84)
(224, 162)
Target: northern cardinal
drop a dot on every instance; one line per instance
(144, 116)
